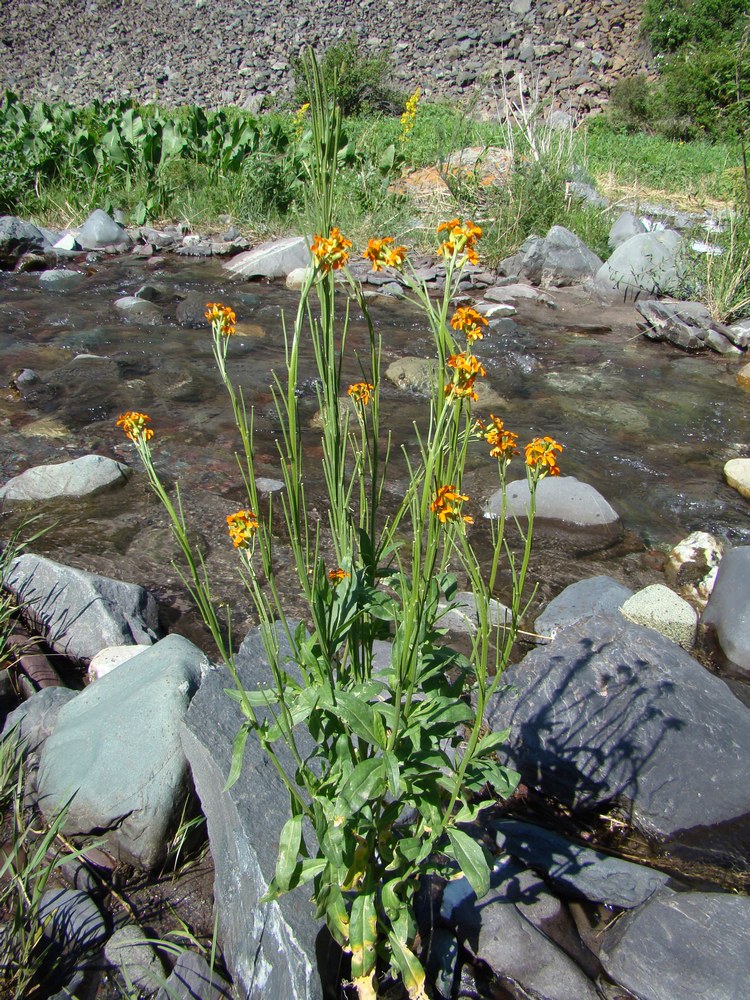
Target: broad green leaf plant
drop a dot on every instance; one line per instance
(402, 760)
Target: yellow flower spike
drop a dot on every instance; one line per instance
(223, 317)
(442, 505)
(410, 115)
(469, 322)
(541, 457)
(134, 425)
(361, 392)
(330, 252)
(242, 527)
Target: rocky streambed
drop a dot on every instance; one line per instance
(629, 718)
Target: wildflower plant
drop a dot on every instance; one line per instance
(402, 761)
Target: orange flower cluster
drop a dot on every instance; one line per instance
(443, 508)
(382, 254)
(331, 252)
(134, 425)
(469, 322)
(223, 316)
(360, 392)
(466, 368)
(502, 442)
(242, 527)
(462, 237)
(540, 455)
(337, 575)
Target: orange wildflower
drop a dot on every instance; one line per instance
(502, 442)
(382, 254)
(331, 252)
(360, 392)
(223, 316)
(242, 526)
(469, 322)
(466, 368)
(134, 425)
(462, 237)
(337, 575)
(540, 456)
(442, 505)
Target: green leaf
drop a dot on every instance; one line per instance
(257, 699)
(367, 781)
(490, 741)
(289, 845)
(409, 966)
(238, 749)
(363, 934)
(360, 717)
(392, 773)
(470, 857)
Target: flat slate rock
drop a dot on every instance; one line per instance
(497, 930)
(611, 711)
(691, 945)
(80, 477)
(576, 869)
(115, 754)
(82, 613)
(272, 949)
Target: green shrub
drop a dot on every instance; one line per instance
(671, 24)
(361, 82)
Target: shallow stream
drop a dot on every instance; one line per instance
(646, 424)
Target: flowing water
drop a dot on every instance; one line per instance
(646, 424)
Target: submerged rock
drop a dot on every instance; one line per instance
(79, 477)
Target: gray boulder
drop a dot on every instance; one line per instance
(272, 949)
(660, 608)
(272, 260)
(625, 226)
(739, 333)
(596, 595)
(648, 263)
(685, 324)
(728, 608)
(79, 477)
(100, 231)
(115, 755)
(82, 613)
(612, 711)
(691, 945)
(192, 978)
(578, 870)
(561, 258)
(74, 921)
(129, 951)
(17, 238)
